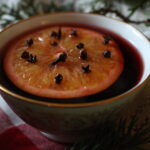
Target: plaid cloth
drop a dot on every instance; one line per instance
(17, 135)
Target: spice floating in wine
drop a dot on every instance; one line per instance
(74, 33)
(29, 42)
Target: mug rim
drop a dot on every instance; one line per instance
(73, 105)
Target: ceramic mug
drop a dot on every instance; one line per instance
(68, 122)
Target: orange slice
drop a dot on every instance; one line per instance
(63, 62)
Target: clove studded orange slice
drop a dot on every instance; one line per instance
(63, 62)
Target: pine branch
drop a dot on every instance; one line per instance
(122, 134)
(136, 7)
(28, 8)
(105, 11)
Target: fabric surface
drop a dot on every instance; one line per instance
(17, 135)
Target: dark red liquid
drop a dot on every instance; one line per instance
(133, 70)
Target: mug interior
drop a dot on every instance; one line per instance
(123, 30)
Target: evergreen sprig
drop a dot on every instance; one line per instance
(27, 8)
(120, 134)
(109, 8)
